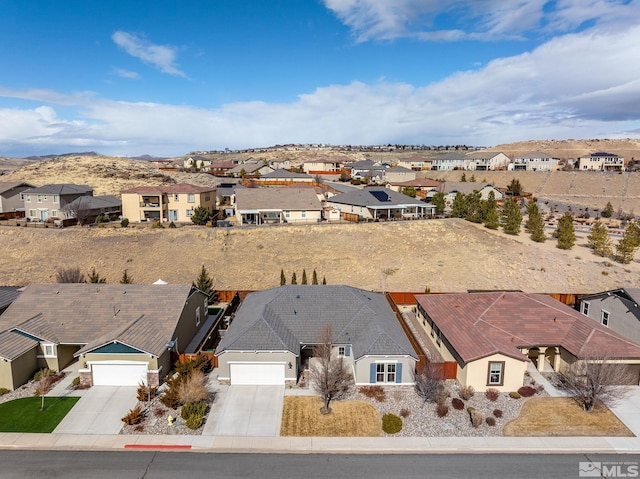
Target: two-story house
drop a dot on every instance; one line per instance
(601, 161)
(535, 161)
(46, 201)
(11, 198)
(487, 161)
(450, 161)
(617, 309)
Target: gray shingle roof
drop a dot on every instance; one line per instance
(277, 198)
(286, 174)
(142, 316)
(9, 185)
(369, 197)
(287, 317)
(13, 345)
(61, 189)
(93, 203)
(8, 294)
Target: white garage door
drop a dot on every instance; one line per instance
(258, 374)
(119, 373)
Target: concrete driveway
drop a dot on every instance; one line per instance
(251, 411)
(99, 411)
(628, 409)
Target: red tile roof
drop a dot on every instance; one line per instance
(480, 324)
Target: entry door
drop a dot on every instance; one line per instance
(173, 215)
(44, 214)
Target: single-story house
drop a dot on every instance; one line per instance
(425, 187)
(251, 168)
(11, 198)
(91, 207)
(616, 309)
(277, 205)
(451, 188)
(285, 176)
(122, 334)
(380, 203)
(493, 336)
(271, 338)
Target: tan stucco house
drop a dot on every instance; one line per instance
(256, 206)
(122, 334)
(271, 338)
(166, 203)
(493, 336)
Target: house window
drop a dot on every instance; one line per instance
(39, 198)
(585, 308)
(341, 351)
(303, 214)
(386, 372)
(496, 373)
(56, 198)
(287, 214)
(32, 213)
(176, 197)
(48, 350)
(28, 198)
(21, 196)
(189, 213)
(605, 318)
(198, 316)
(191, 198)
(54, 213)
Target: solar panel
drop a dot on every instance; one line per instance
(381, 195)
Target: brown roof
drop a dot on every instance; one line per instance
(419, 182)
(169, 189)
(480, 324)
(141, 316)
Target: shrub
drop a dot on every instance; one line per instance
(470, 409)
(497, 412)
(171, 398)
(172, 225)
(139, 428)
(490, 421)
(391, 424)
(76, 381)
(492, 394)
(157, 224)
(374, 392)
(4, 391)
(467, 392)
(441, 396)
(124, 223)
(43, 372)
(158, 412)
(539, 388)
(457, 403)
(193, 388)
(193, 422)
(134, 416)
(194, 408)
(476, 418)
(404, 412)
(514, 395)
(145, 393)
(185, 366)
(526, 391)
(442, 410)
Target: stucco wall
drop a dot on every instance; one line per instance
(152, 361)
(363, 369)
(257, 356)
(186, 328)
(15, 373)
(622, 319)
(476, 373)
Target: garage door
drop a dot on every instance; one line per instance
(119, 373)
(260, 374)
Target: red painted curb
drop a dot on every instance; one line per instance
(157, 446)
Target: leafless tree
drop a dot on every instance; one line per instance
(69, 275)
(80, 210)
(44, 385)
(594, 381)
(429, 383)
(330, 377)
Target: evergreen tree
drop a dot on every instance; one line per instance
(200, 215)
(607, 212)
(126, 279)
(314, 279)
(515, 188)
(459, 206)
(511, 217)
(95, 277)
(565, 232)
(599, 240)
(626, 247)
(304, 276)
(205, 283)
(532, 209)
(475, 212)
(536, 224)
(473, 179)
(463, 178)
(294, 280)
(491, 219)
(283, 279)
(324, 280)
(438, 201)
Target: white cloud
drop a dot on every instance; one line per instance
(131, 75)
(580, 85)
(160, 56)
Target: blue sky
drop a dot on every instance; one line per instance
(168, 77)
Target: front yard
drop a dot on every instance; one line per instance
(24, 415)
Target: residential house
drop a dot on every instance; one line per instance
(46, 201)
(451, 188)
(535, 161)
(8, 295)
(271, 338)
(601, 161)
(616, 309)
(488, 161)
(415, 163)
(398, 174)
(280, 164)
(122, 334)
(167, 202)
(379, 203)
(250, 168)
(285, 176)
(221, 168)
(199, 162)
(11, 198)
(493, 336)
(90, 207)
(450, 161)
(326, 167)
(360, 170)
(425, 188)
(256, 206)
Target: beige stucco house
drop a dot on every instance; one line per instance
(601, 161)
(271, 338)
(122, 334)
(166, 203)
(256, 206)
(494, 336)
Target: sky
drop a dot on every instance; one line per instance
(167, 77)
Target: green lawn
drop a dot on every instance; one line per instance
(24, 415)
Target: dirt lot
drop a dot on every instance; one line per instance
(446, 255)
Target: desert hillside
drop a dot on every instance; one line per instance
(445, 255)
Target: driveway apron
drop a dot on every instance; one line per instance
(251, 411)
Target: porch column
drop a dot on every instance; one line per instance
(541, 355)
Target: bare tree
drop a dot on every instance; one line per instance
(44, 385)
(429, 383)
(80, 210)
(331, 376)
(595, 381)
(69, 275)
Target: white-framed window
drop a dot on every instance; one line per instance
(189, 213)
(287, 214)
(32, 213)
(585, 308)
(39, 198)
(386, 372)
(45, 197)
(21, 196)
(303, 214)
(495, 375)
(54, 213)
(341, 351)
(56, 198)
(48, 350)
(198, 316)
(605, 318)
(176, 197)
(191, 198)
